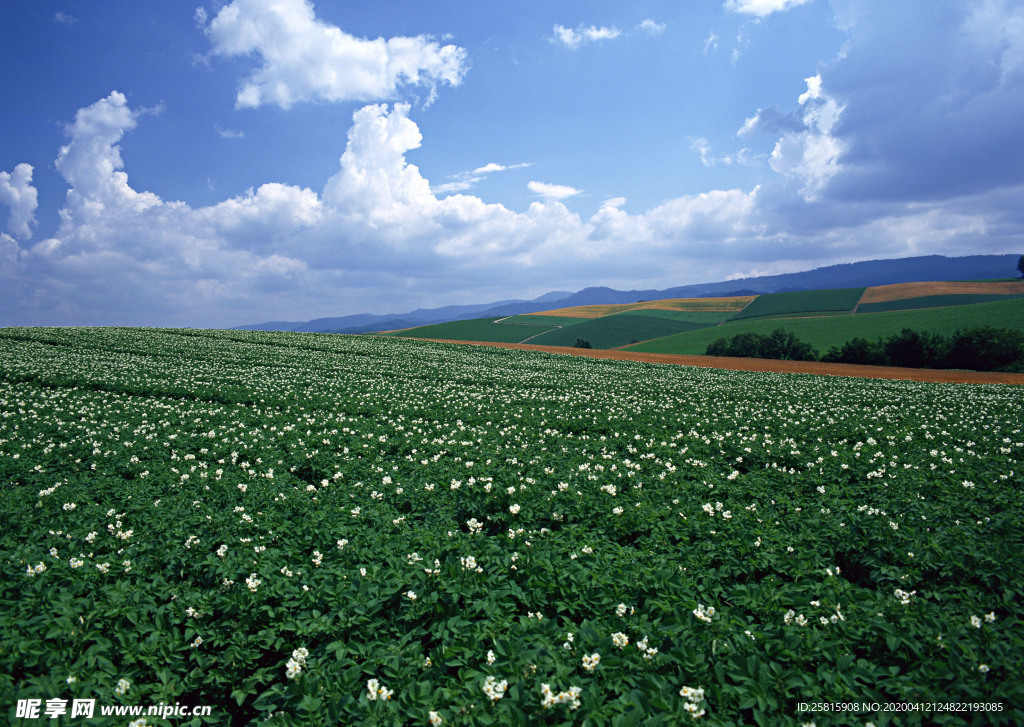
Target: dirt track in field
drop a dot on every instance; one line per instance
(786, 367)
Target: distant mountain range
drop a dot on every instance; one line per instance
(847, 275)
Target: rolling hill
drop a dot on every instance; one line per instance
(822, 318)
(848, 275)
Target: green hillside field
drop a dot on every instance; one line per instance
(932, 301)
(823, 333)
(610, 331)
(617, 330)
(477, 329)
(806, 302)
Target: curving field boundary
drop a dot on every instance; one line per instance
(768, 365)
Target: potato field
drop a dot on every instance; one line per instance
(301, 529)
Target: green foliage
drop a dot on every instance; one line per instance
(916, 349)
(582, 343)
(776, 345)
(858, 351)
(1020, 266)
(976, 349)
(987, 349)
(242, 520)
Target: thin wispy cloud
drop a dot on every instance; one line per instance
(575, 37)
(651, 27)
(229, 133)
(467, 180)
(762, 8)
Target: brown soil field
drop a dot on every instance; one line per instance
(678, 304)
(903, 291)
(785, 367)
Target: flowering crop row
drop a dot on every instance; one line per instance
(306, 529)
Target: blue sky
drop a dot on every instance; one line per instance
(224, 163)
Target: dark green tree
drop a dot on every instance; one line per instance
(987, 349)
(582, 343)
(1020, 266)
(858, 351)
(916, 349)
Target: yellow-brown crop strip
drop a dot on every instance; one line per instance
(903, 291)
(732, 303)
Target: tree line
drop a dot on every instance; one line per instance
(985, 348)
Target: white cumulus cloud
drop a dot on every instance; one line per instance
(305, 59)
(377, 238)
(17, 192)
(812, 154)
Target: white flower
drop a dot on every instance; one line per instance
(617, 510)
(620, 640)
(990, 617)
(490, 657)
(123, 685)
(434, 718)
(550, 699)
(904, 596)
(375, 691)
(704, 613)
(692, 694)
(975, 622)
(494, 689)
(198, 642)
(253, 582)
(514, 509)
(411, 595)
(983, 668)
(590, 662)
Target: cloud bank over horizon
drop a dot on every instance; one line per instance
(850, 170)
